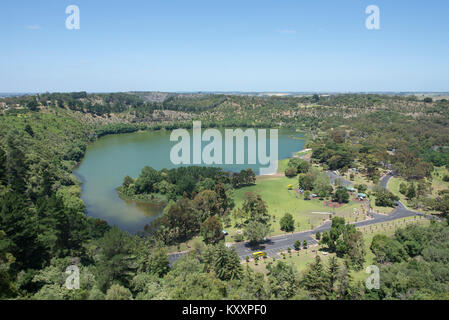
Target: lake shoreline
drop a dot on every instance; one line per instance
(161, 201)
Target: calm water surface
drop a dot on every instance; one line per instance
(109, 159)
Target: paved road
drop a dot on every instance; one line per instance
(384, 180)
(333, 176)
(274, 245)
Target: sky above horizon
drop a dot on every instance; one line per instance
(246, 45)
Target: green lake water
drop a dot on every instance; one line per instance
(109, 159)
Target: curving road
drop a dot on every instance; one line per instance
(385, 179)
(333, 176)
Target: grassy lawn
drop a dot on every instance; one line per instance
(393, 186)
(437, 182)
(351, 212)
(280, 200)
(282, 165)
(308, 214)
(299, 259)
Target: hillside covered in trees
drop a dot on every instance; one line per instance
(44, 228)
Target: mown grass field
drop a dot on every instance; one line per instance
(274, 191)
(308, 214)
(282, 165)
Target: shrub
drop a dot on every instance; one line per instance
(385, 198)
(287, 223)
(297, 245)
(307, 195)
(290, 172)
(341, 195)
(238, 237)
(361, 188)
(118, 292)
(403, 188)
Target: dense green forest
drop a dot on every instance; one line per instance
(43, 226)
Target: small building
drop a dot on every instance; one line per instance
(361, 196)
(350, 189)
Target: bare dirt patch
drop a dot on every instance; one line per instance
(331, 204)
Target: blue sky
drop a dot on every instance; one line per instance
(227, 45)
